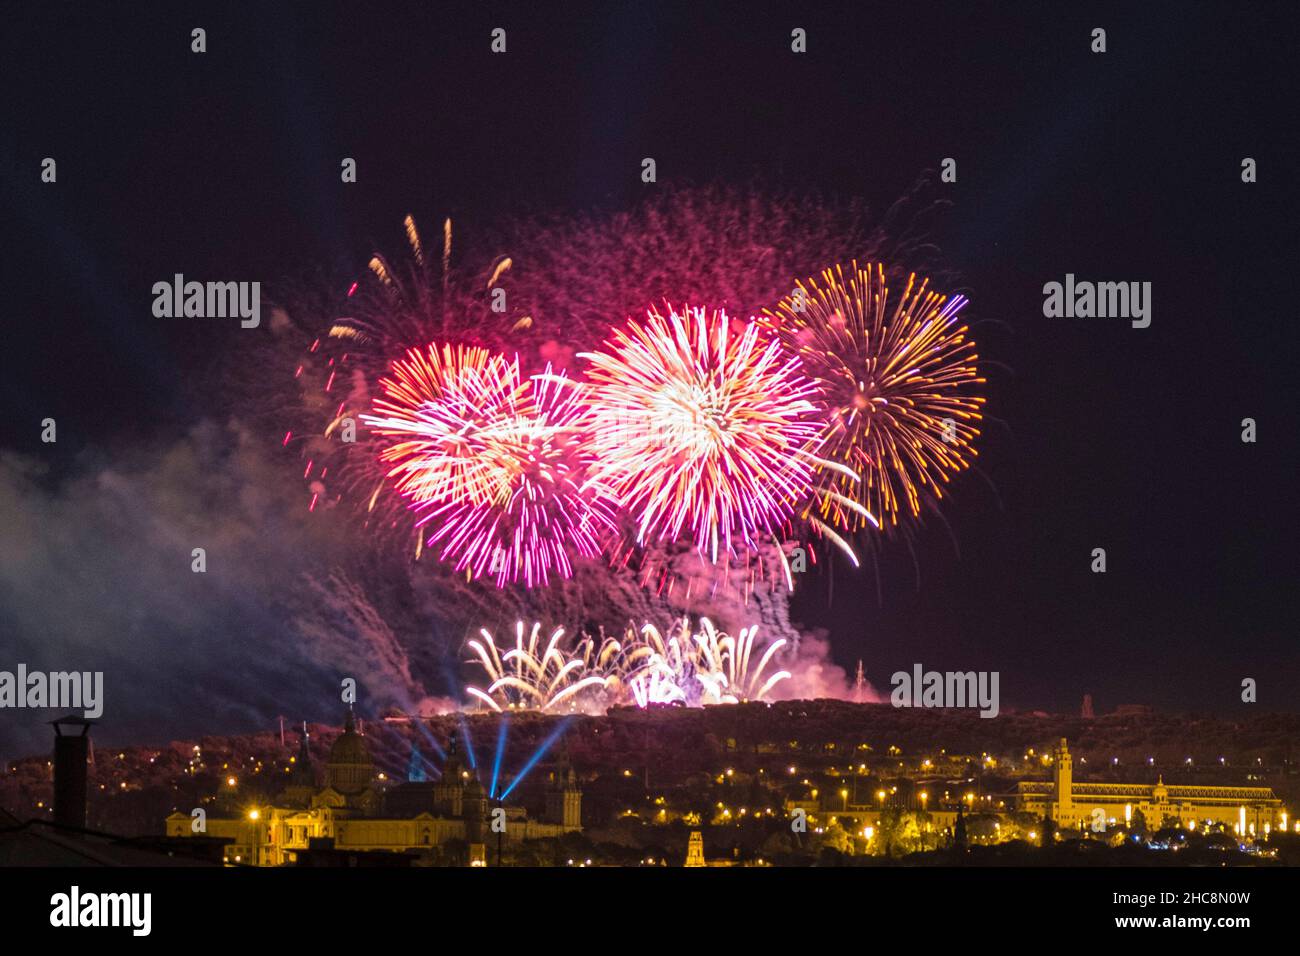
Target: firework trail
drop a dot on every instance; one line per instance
(701, 426)
(897, 379)
(389, 316)
(667, 666)
(656, 686)
(734, 676)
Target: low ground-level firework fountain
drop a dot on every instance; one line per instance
(686, 666)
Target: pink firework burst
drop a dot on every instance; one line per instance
(439, 407)
(492, 463)
(702, 425)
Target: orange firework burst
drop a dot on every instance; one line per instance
(898, 385)
(703, 425)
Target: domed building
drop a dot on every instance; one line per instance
(350, 769)
(355, 812)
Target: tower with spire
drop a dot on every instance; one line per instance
(1063, 782)
(448, 792)
(476, 808)
(564, 796)
(695, 849)
(302, 779)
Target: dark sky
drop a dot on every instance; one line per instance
(1122, 166)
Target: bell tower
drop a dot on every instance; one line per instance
(449, 791)
(564, 797)
(1062, 782)
(302, 781)
(695, 849)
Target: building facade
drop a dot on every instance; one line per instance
(1249, 810)
(349, 813)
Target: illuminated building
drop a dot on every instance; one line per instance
(1072, 804)
(564, 798)
(695, 849)
(350, 813)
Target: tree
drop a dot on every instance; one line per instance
(836, 837)
(898, 830)
(1138, 825)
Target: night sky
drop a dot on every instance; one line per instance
(1124, 167)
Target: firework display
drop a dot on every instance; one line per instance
(444, 411)
(703, 666)
(702, 428)
(834, 413)
(492, 463)
(650, 439)
(686, 666)
(898, 379)
(533, 676)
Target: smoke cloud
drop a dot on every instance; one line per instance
(96, 574)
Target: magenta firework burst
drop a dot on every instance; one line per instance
(702, 426)
(439, 412)
(492, 463)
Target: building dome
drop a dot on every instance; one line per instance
(349, 769)
(350, 748)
